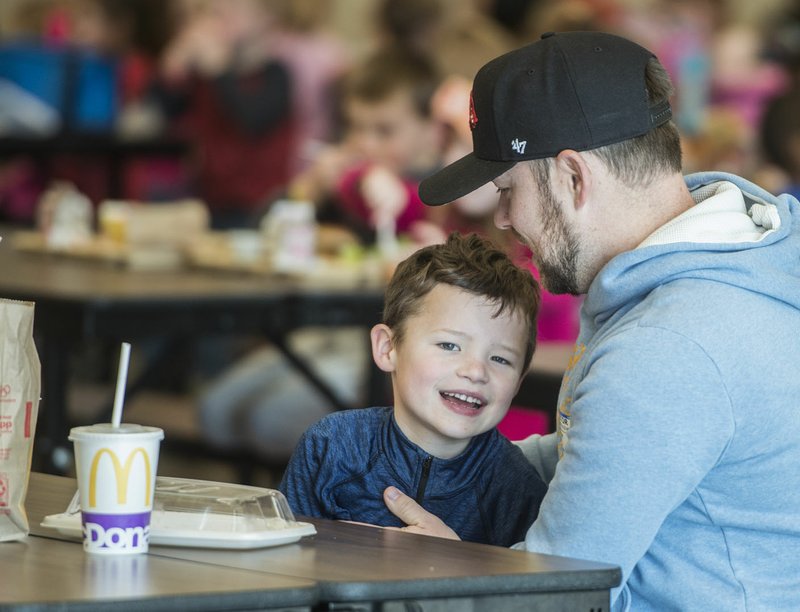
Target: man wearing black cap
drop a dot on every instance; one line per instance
(678, 442)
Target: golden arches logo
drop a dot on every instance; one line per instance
(121, 474)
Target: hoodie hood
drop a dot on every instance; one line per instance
(722, 238)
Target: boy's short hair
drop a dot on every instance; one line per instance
(471, 263)
(391, 70)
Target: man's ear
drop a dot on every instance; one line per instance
(383, 352)
(577, 177)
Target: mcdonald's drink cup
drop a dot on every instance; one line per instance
(116, 469)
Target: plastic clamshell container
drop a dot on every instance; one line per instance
(206, 514)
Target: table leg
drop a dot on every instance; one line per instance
(303, 368)
(51, 450)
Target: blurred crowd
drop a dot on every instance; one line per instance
(348, 104)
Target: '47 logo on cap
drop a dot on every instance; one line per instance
(519, 145)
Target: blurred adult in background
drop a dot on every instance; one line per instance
(743, 76)
(222, 80)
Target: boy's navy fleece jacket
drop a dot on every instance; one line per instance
(489, 493)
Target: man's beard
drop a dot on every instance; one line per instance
(558, 267)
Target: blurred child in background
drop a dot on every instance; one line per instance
(391, 142)
(222, 79)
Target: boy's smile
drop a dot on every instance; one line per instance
(456, 369)
(463, 401)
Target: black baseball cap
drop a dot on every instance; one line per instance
(572, 90)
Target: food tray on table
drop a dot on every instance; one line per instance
(206, 514)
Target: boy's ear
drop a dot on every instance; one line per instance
(383, 347)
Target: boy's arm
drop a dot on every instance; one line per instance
(299, 479)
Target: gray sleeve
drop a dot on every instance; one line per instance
(542, 453)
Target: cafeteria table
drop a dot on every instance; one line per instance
(344, 566)
(77, 301)
(42, 574)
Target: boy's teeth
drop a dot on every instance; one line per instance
(465, 398)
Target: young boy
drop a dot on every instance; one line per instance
(458, 335)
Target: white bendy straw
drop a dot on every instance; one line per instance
(122, 377)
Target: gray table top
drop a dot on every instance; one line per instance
(40, 573)
(350, 562)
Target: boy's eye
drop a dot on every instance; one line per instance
(501, 360)
(448, 346)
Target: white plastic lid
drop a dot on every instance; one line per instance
(222, 506)
(93, 432)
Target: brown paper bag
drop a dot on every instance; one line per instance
(20, 382)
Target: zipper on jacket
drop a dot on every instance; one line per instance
(423, 479)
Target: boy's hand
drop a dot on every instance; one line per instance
(417, 519)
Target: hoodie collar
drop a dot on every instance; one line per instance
(723, 213)
(689, 245)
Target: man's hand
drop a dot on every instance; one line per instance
(417, 519)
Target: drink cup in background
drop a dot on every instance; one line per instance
(116, 470)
